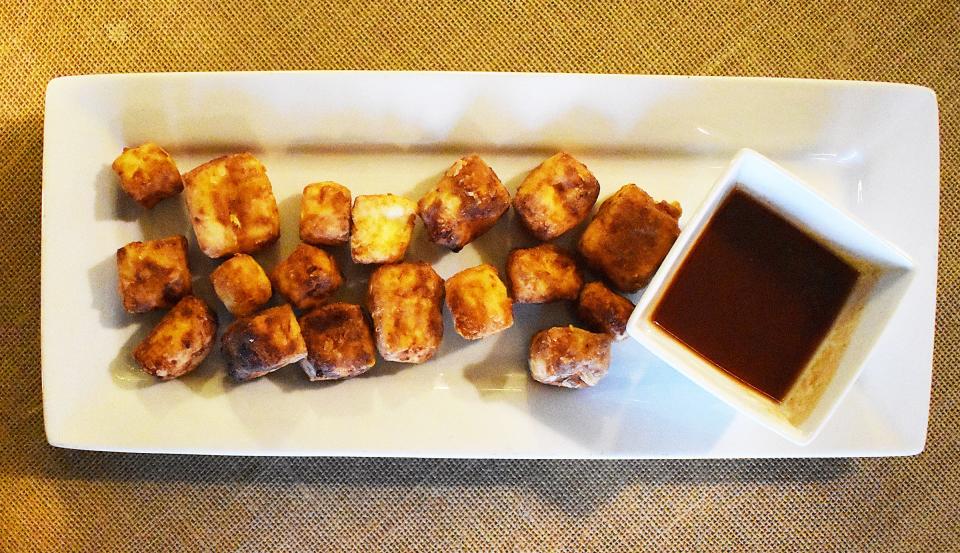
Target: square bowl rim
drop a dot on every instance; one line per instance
(641, 328)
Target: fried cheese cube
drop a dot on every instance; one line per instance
(259, 344)
(241, 284)
(478, 301)
(325, 214)
(381, 228)
(629, 237)
(604, 310)
(153, 274)
(405, 302)
(307, 276)
(467, 202)
(543, 274)
(231, 205)
(180, 341)
(556, 196)
(339, 342)
(148, 174)
(569, 357)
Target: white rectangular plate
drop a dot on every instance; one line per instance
(871, 149)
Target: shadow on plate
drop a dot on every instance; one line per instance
(641, 406)
(111, 202)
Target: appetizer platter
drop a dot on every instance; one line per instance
(444, 264)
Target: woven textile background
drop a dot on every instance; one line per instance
(60, 500)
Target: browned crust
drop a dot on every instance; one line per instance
(241, 284)
(180, 342)
(543, 274)
(339, 342)
(556, 196)
(629, 237)
(405, 301)
(603, 310)
(569, 357)
(153, 274)
(467, 202)
(307, 277)
(156, 177)
(243, 199)
(331, 226)
(254, 346)
(478, 301)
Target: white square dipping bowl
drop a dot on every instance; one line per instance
(885, 273)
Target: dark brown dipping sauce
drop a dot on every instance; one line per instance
(755, 296)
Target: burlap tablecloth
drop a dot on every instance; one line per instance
(63, 500)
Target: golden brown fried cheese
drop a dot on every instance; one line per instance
(405, 302)
(325, 214)
(153, 274)
(478, 301)
(629, 237)
(307, 276)
(569, 357)
(604, 310)
(148, 174)
(556, 196)
(381, 228)
(467, 202)
(231, 205)
(543, 274)
(180, 341)
(241, 284)
(262, 343)
(339, 342)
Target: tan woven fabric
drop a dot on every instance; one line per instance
(59, 500)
